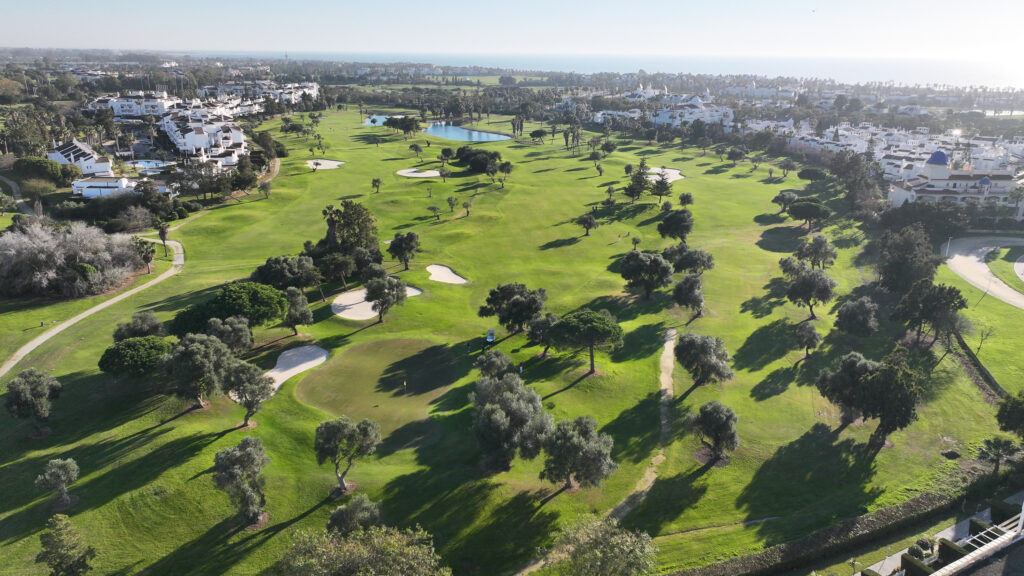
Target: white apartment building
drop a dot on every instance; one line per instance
(136, 104)
(938, 182)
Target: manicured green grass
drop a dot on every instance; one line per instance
(20, 318)
(1001, 261)
(147, 499)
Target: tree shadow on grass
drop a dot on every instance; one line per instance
(511, 535)
(765, 345)
(667, 499)
(815, 475)
(636, 430)
(223, 546)
(559, 243)
(775, 383)
(781, 239)
(761, 306)
(720, 169)
(620, 212)
(641, 342)
(769, 219)
(626, 308)
(180, 301)
(424, 371)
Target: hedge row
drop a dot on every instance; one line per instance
(913, 567)
(950, 552)
(869, 572)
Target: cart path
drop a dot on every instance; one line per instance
(643, 485)
(966, 257)
(666, 394)
(177, 265)
(16, 191)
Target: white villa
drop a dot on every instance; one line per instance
(938, 182)
(691, 109)
(197, 132)
(136, 104)
(81, 155)
(284, 93)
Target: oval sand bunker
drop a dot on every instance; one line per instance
(670, 173)
(415, 173)
(324, 164)
(296, 361)
(441, 273)
(352, 305)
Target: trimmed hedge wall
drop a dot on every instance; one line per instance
(950, 551)
(869, 572)
(914, 567)
(1003, 511)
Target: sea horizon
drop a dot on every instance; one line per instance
(897, 71)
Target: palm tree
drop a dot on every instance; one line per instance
(161, 229)
(376, 185)
(996, 450)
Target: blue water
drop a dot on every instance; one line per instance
(852, 70)
(151, 163)
(442, 130)
(380, 120)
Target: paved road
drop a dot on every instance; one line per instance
(967, 259)
(16, 190)
(178, 263)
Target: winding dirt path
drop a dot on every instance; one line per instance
(644, 484)
(666, 395)
(177, 265)
(16, 192)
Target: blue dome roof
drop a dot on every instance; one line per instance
(984, 181)
(938, 157)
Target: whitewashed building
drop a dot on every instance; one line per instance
(136, 104)
(938, 182)
(83, 156)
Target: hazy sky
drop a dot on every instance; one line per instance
(981, 30)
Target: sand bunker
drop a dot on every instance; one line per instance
(671, 173)
(440, 273)
(352, 305)
(415, 173)
(324, 164)
(296, 361)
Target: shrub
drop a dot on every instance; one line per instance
(915, 551)
(192, 206)
(869, 572)
(142, 324)
(134, 355)
(36, 188)
(914, 567)
(36, 167)
(950, 551)
(976, 526)
(69, 261)
(257, 303)
(811, 174)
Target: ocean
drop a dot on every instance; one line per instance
(853, 71)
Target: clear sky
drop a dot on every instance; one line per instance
(981, 30)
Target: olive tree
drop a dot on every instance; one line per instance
(238, 470)
(343, 441)
(508, 419)
(359, 513)
(715, 424)
(576, 451)
(57, 475)
(63, 551)
(29, 395)
(704, 357)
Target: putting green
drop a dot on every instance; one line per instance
(393, 382)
